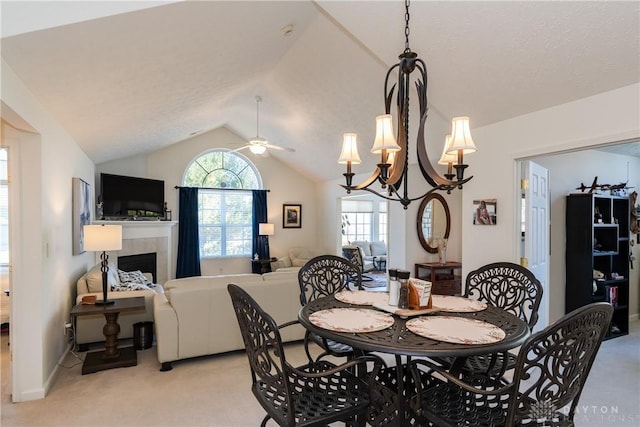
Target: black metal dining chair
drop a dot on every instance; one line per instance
(354, 255)
(315, 394)
(550, 372)
(512, 288)
(322, 276)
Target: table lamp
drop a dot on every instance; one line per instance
(103, 238)
(266, 230)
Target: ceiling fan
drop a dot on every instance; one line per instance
(259, 145)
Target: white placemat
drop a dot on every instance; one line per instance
(351, 320)
(361, 297)
(453, 304)
(456, 330)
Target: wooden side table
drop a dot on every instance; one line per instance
(261, 266)
(111, 357)
(443, 279)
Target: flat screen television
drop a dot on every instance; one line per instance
(128, 197)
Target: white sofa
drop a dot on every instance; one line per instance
(194, 316)
(88, 329)
(296, 258)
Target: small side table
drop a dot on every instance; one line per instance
(443, 279)
(261, 266)
(111, 357)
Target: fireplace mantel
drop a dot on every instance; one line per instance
(148, 236)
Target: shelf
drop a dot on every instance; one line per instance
(602, 246)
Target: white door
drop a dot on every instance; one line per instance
(536, 231)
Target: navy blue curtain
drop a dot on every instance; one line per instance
(260, 243)
(188, 264)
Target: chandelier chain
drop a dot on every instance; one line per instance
(406, 26)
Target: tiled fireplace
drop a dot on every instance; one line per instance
(144, 237)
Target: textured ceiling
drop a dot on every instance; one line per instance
(132, 82)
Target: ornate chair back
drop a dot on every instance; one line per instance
(353, 254)
(325, 275)
(264, 350)
(508, 286)
(553, 364)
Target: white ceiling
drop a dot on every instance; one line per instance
(126, 78)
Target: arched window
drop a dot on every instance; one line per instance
(224, 201)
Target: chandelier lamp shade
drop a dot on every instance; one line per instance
(448, 159)
(103, 238)
(393, 147)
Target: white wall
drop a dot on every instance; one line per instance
(285, 185)
(45, 271)
(611, 116)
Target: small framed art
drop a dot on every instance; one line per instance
(291, 216)
(485, 212)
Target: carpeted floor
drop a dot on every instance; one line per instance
(214, 391)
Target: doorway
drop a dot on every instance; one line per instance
(613, 163)
(5, 272)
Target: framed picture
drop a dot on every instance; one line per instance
(291, 216)
(484, 212)
(81, 213)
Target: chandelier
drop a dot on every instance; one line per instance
(392, 170)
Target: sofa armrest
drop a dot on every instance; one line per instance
(166, 328)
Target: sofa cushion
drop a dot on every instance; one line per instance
(289, 273)
(94, 278)
(286, 262)
(299, 256)
(364, 245)
(208, 281)
(378, 248)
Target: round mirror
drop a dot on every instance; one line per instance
(434, 222)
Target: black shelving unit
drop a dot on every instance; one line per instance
(597, 231)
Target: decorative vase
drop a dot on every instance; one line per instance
(442, 255)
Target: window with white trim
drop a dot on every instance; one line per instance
(225, 201)
(363, 220)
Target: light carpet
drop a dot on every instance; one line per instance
(214, 391)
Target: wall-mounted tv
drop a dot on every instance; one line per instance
(131, 197)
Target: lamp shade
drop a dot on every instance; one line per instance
(461, 136)
(349, 149)
(102, 238)
(265, 229)
(385, 139)
(447, 157)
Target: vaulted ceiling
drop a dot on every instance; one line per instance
(126, 78)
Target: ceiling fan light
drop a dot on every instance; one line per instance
(257, 148)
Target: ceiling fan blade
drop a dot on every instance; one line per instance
(277, 147)
(238, 149)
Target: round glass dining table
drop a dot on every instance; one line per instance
(397, 339)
